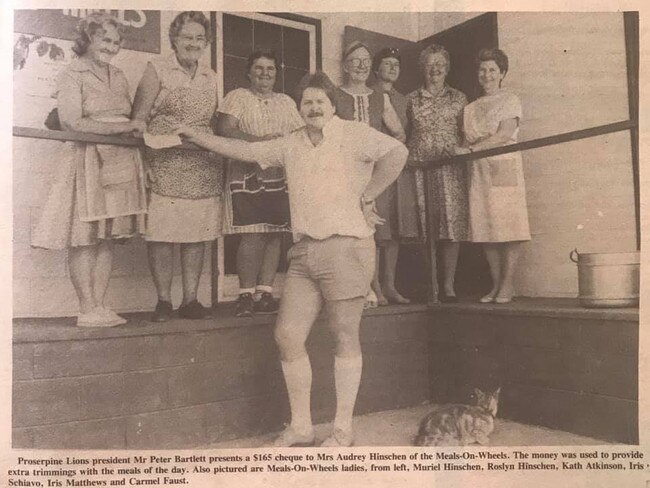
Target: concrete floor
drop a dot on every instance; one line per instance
(398, 427)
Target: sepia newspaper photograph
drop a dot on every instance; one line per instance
(283, 243)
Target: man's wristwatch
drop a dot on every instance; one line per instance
(367, 201)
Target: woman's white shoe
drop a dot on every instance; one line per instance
(97, 318)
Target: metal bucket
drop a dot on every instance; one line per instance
(607, 279)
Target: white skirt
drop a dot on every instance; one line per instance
(172, 219)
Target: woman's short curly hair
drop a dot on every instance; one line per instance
(91, 25)
(432, 49)
(496, 55)
(183, 18)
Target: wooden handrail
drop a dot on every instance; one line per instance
(520, 146)
(431, 211)
(62, 135)
(532, 144)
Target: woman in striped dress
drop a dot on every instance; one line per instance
(257, 205)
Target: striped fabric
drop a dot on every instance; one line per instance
(259, 117)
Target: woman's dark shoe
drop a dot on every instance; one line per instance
(193, 310)
(163, 312)
(245, 305)
(444, 298)
(266, 304)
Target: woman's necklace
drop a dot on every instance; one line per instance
(434, 90)
(261, 95)
(356, 89)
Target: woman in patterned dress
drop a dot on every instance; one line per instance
(257, 205)
(435, 115)
(97, 192)
(184, 185)
(497, 193)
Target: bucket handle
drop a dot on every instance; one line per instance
(576, 254)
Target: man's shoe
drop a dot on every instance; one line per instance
(245, 305)
(266, 304)
(193, 310)
(163, 312)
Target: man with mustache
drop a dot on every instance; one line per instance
(335, 169)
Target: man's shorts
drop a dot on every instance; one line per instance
(338, 267)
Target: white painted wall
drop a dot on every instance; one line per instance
(399, 24)
(430, 23)
(569, 71)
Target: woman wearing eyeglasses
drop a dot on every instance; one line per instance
(356, 101)
(435, 114)
(184, 185)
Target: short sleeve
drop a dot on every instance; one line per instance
(295, 120)
(158, 67)
(234, 103)
(68, 81)
(511, 108)
(68, 97)
(373, 144)
(270, 153)
(122, 84)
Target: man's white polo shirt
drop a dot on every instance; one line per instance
(326, 181)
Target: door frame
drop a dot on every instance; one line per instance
(225, 287)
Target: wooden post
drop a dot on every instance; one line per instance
(430, 246)
(631, 25)
(214, 273)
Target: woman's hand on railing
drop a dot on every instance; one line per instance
(412, 163)
(270, 137)
(188, 133)
(139, 127)
(460, 150)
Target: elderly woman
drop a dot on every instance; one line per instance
(397, 205)
(184, 185)
(356, 101)
(497, 195)
(435, 114)
(97, 193)
(257, 205)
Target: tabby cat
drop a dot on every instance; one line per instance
(460, 425)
